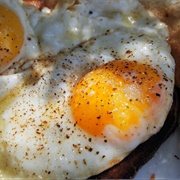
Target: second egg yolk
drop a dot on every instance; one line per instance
(11, 36)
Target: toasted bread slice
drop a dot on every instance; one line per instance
(42, 3)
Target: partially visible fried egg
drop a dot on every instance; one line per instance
(78, 113)
(17, 38)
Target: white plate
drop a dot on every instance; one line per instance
(166, 162)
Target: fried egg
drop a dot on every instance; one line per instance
(17, 38)
(77, 113)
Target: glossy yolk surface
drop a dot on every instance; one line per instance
(116, 93)
(11, 36)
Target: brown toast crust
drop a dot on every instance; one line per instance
(145, 151)
(42, 3)
(168, 11)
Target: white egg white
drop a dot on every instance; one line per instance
(71, 23)
(126, 13)
(39, 136)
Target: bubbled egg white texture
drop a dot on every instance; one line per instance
(73, 22)
(70, 23)
(43, 134)
(17, 38)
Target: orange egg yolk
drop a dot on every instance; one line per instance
(117, 93)
(11, 36)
